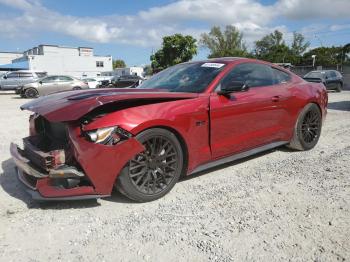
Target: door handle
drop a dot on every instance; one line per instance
(275, 98)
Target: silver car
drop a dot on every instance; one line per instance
(51, 84)
(12, 80)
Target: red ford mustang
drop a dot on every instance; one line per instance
(185, 119)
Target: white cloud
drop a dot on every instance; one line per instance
(310, 9)
(147, 27)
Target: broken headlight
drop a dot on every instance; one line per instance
(108, 135)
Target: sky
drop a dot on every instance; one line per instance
(131, 30)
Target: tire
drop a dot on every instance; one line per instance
(31, 93)
(338, 88)
(76, 88)
(307, 129)
(154, 172)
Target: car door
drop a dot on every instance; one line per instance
(25, 78)
(48, 85)
(244, 120)
(330, 80)
(65, 83)
(10, 81)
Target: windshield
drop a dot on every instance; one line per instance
(191, 77)
(314, 75)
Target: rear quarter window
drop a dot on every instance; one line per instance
(281, 76)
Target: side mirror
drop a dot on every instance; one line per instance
(233, 86)
(40, 82)
(5, 76)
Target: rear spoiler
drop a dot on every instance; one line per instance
(313, 79)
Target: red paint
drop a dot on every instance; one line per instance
(243, 121)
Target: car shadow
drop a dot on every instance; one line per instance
(12, 186)
(341, 105)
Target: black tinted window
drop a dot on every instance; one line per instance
(251, 74)
(41, 74)
(25, 75)
(280, 76)
(12, 75)
(333, 74)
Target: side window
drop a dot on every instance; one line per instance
(49, 79)
(12, 75)
(328, 74)
(253, 75)
(64, 78)
(25, 75)
(280, 76)
(333, 74)
(41, 74)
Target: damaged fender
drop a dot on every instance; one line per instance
(114, 158)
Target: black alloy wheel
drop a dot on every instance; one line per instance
(31, 93)
(153, 170)
(152, 173)
(308, 127)
(311, 125)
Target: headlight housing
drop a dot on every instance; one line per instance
(107, 135)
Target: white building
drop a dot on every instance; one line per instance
(61, 60)
(7, 57)
(134, 70)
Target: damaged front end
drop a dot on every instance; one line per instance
(60, 161)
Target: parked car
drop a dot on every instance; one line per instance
(12, 80)
(92, 82)
(49, 85)
(332, 79)
(126, 81)
(183, 120)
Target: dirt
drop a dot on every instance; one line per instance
(276, 206)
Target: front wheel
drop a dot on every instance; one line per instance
(307, 129)
(76, 88)
(338, 88)
(31, 93)
(152, 173)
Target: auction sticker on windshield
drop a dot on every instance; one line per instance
(215, 65)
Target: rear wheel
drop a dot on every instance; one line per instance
(31, 93)
(152, 173)
(338, 87)
(307, 130)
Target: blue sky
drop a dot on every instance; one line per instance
(130, 30)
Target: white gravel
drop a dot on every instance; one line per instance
(276, 206)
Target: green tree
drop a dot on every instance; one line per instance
(148, 70)
(272, 48)
(299, 46)
(175, 49)
(224, 43)
(119, 63)
(325, 56)
(346, 54)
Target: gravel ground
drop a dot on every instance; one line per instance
(276, 206)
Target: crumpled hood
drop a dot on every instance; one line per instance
(72, 105)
